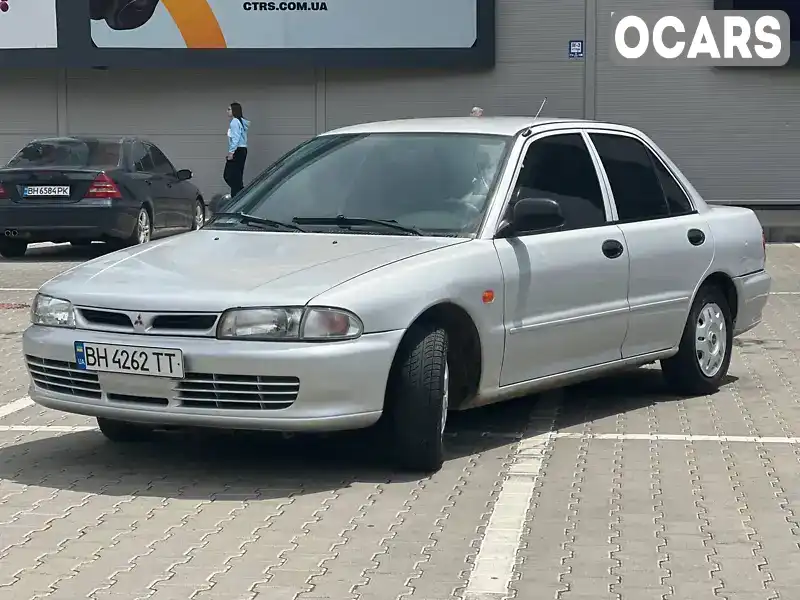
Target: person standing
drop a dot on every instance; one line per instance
(237, 149)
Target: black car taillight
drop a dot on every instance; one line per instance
(103, 187)
(3, 194)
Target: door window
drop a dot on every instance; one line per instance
(142, 163)
(560, 168)
(161, 164)
(642, 187)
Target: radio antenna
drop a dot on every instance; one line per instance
(528, 130)
(540, 108)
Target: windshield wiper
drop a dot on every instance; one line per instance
(344, 222)
(246, 219)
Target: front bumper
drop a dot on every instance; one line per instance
(753, 292)
(341, 385)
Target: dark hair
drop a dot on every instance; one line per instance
(236, 111)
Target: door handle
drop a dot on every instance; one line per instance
(612, 248)
(696, 237)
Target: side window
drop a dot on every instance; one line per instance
(677, 200)
(559, 167)
(161, 163)
(634, 181)
(142, 163)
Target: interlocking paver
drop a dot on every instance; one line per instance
(258, 517)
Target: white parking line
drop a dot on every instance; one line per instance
(16, 405)
(497, 555)
(48, 428)
(668, 437)
(19, 289)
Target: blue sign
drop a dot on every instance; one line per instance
(576, 49)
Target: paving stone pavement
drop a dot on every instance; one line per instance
(611, 489)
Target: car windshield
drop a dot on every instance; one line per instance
(435, 183)
(82, 154)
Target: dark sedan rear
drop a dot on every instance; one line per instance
(84, 189)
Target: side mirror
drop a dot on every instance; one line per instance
(184, 175)
(218, 200)
(533, 215)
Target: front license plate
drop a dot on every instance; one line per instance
(133, 360)
(42, 191)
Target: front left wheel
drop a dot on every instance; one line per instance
(417, 400)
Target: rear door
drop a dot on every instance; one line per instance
(179, 207)
(670, 245)
(151, 185)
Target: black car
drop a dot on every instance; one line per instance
(85, 189)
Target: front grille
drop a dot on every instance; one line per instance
(155, 324)
(184, 322)
(106, 317)
(63, 377)
(232, 392)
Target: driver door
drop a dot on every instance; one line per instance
(566, 302)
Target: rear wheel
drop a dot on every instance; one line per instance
(13, 248)
(143, 231)
(417, 400)
(122, 431)
(706, 346)
(199, 215)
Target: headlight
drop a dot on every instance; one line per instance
(53, 312)
(289, 323)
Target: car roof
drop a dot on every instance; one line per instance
(86, 138)
(508, 126)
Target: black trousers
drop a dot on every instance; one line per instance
(234, 171)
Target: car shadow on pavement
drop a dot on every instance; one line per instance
(61, 253)
(202, 464)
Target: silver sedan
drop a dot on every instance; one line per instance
(384, 274)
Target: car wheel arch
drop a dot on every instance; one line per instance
(465, 348)
(724, 282)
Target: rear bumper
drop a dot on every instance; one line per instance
(753, 292)
(64, 222)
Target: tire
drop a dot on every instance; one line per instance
(417, 400)
(13, 248)
(143, 230)
(122, 432)
(199, 216)
(684, 372)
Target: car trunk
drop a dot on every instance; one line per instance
(55, 185)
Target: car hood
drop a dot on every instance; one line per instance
(210, 270)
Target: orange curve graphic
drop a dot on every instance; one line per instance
(196, 22)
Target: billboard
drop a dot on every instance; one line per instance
(210, 33)
(28, 24)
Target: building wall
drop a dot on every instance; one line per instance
(732, 131)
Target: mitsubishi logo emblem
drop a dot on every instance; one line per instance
(138, 324)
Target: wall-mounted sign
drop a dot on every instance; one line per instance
(283, 24)
(575, 49)
(290, 33)
(28, 24)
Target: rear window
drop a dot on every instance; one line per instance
(68, 153)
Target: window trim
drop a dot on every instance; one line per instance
(617, 221)
(609, 209)
(150, 146)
